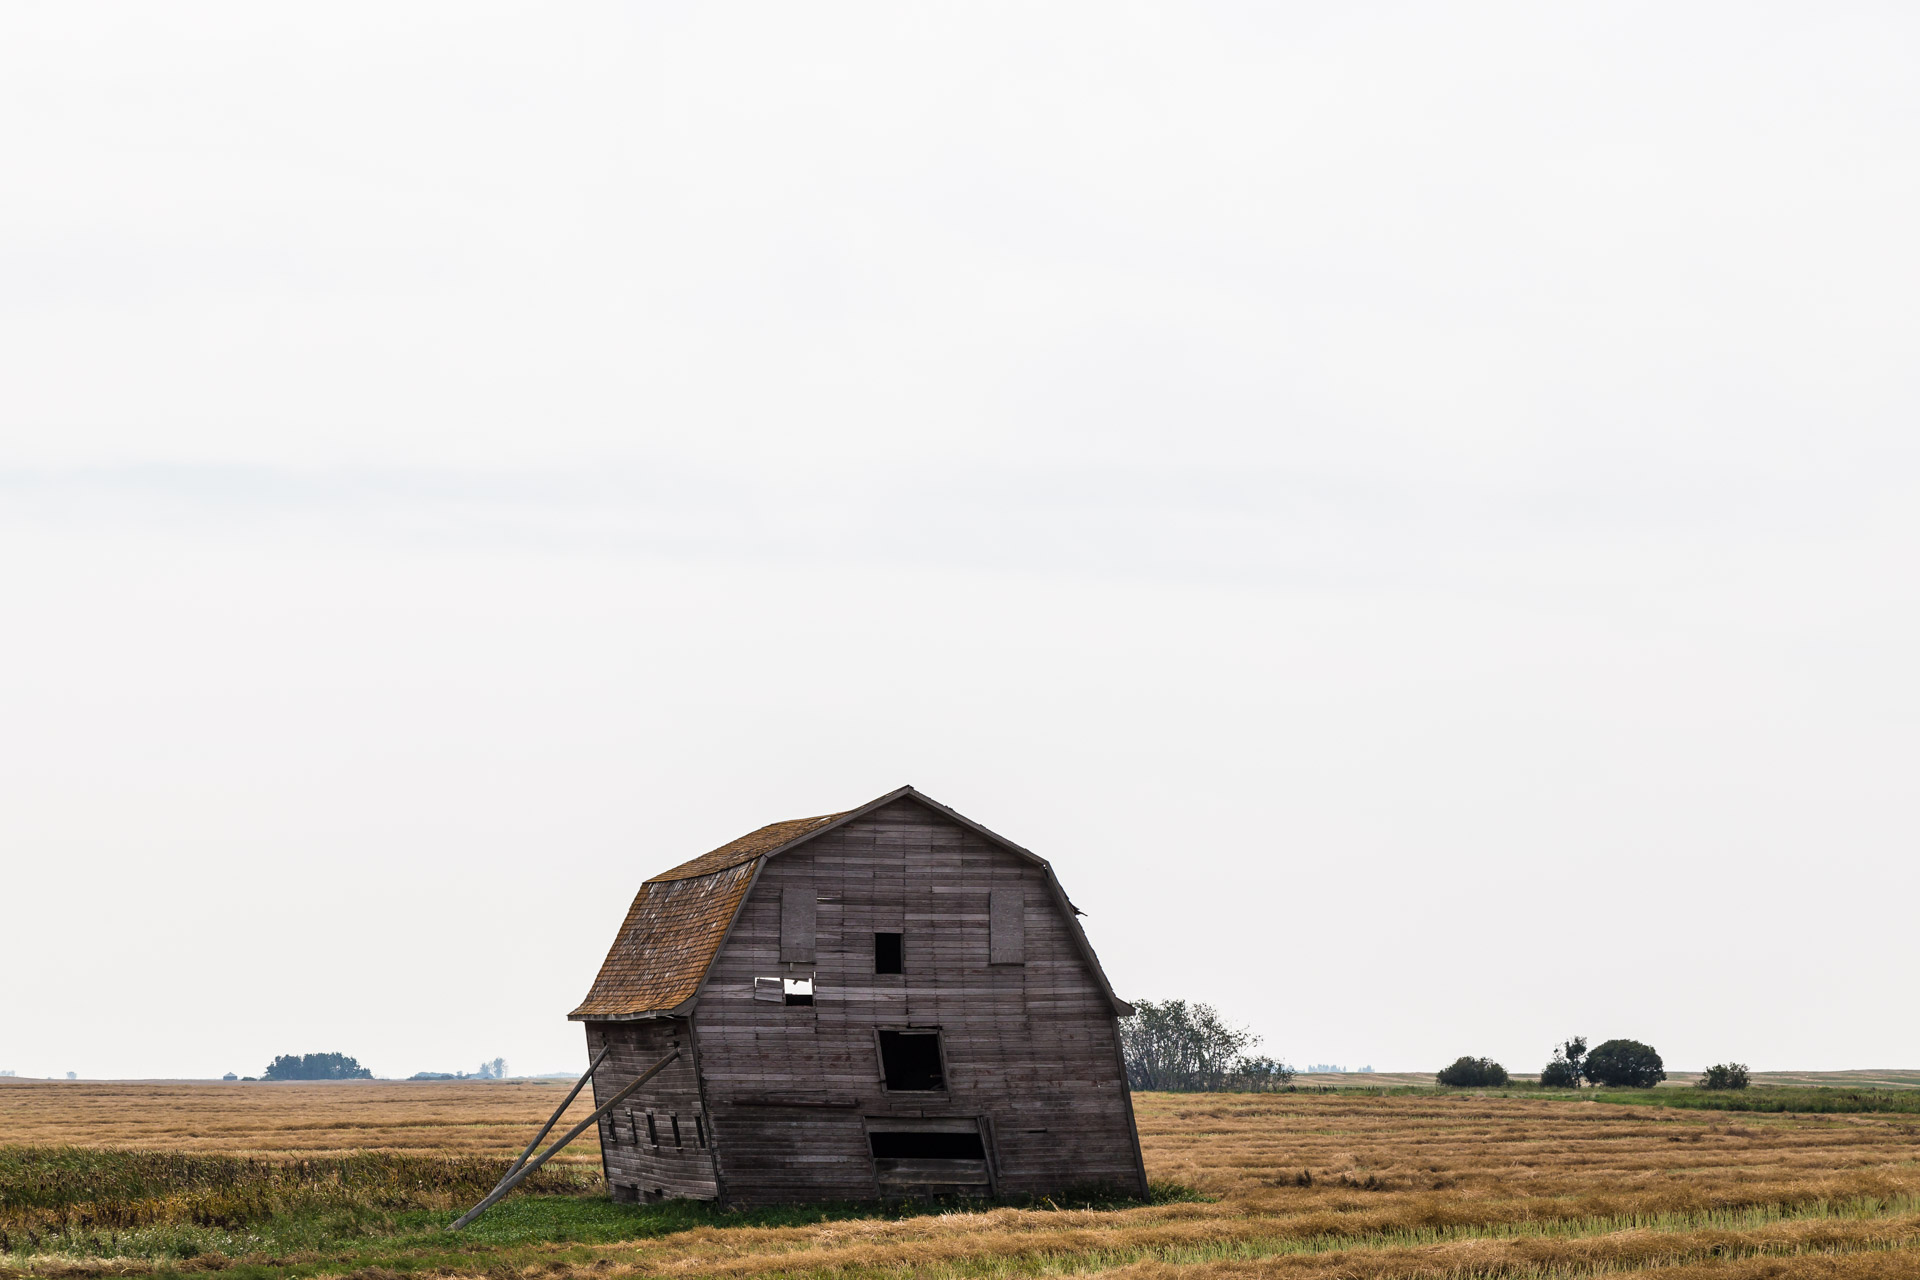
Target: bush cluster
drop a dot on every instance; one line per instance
(1473, 1073)
(1724, 1075)
(1618, 1064)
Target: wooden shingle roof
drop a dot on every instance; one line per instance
(753, 845)
(680, 917)
(677, 922)
(664, 946)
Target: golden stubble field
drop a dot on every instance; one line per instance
(1309, 1185)
(427, 1118)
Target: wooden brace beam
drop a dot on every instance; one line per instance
(526, 1171)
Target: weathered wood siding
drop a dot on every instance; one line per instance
(641, 1165)
(1031, 1048)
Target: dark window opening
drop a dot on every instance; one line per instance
(889, 953)
(675, 1121)
(910, 1060)
(700, 1132)
(927, 1146)
(799, 990)
(653, 1134)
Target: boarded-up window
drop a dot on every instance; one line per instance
(1006, 926)
(796, 924)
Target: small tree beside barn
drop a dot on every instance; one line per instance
(885, 1002)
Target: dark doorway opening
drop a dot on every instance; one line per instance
(910, 1061)
(927, 1146)
(889, 953)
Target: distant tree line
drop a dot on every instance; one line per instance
(1617, 1064)
(315, 1066)
(494, 1070)
(1189, 1048)
(1183, 1047)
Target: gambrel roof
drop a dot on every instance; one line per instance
(680, 917)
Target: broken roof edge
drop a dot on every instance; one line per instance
(681, 1010)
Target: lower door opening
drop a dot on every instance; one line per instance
(923, 1158)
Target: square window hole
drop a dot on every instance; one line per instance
(889, 953)
(910, 1061)
(799, 990)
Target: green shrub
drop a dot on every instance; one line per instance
(1724, 1075)
(1559, 1074)
(1473, 1073)
(1564, 1071)
(1624, 1064)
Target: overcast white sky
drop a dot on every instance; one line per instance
(1411, 508)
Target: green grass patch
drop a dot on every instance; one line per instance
(285, 1218)
(1813, 1099)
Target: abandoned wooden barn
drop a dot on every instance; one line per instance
(891, 1001)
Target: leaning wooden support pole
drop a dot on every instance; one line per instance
(526, 1171)
(554, 1119)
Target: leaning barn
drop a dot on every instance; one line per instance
(885, 1002)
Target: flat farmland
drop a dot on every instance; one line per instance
(1297, 1185)
(1888, 1079)
(445, 1118)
